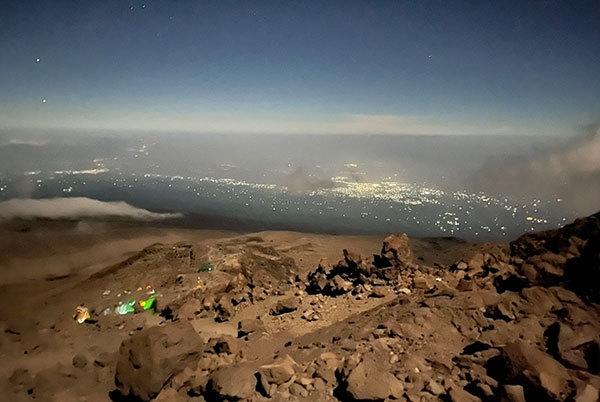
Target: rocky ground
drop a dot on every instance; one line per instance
(265, 317)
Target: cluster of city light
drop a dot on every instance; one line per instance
(387, 201)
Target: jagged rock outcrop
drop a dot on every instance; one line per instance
(358, 275)
(569, 256)
(396, 252)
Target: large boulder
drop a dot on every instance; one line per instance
(250, 326)
(395, 252)
(541, 376)
(279, 371)
(236, 382)
(149, 358)
(370, 382)
(284, 306)
(577, 349)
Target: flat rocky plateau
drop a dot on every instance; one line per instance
(275, 316)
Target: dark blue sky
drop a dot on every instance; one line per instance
(432, 67)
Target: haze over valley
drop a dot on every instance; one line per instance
(425, 186)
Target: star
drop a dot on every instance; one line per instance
(37, 60)
(44, 100)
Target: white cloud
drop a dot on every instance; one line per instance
(72, 208)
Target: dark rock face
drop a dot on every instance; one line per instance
(564, 241)
(583, 274)
(149, 358)
(569, 257)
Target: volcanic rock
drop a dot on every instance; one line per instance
(222, 344)
(190, 309)
(458, 394)
(588, 393)
(150, 357)
(421, 283)
(224, 310)
(567, 256)
(353, 260)
(235, 382)
(284, 306)
(395, 252)
(311, 315)
(250, 326)
(79, 361)
(339, 285)
(574, 348)
(369, 382)
(280, 371)
(464, 284)
(513, 393)
(537, 372)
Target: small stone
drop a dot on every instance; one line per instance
(311, 315)
(514, 393)
(285, 306)
(465, 285)
(379, 292)
(79, 361)
(462, 265)
(435, 388)
(298, 390)
(420, 283)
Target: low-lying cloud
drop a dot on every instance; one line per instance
(571, 172)
(75, 208)
(299, 181)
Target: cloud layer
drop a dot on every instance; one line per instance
(73, 208)
(572, 172)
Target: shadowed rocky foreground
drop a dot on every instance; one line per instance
(259, 317)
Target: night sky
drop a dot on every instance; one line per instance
(413, 67)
